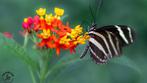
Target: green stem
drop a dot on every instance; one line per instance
(25, 40)
(43, 73)
(32, 75)
(33, 38)
(43, 70)
(44, 66)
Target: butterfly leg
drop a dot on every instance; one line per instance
(84, 52)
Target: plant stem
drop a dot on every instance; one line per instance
(44, 66)
(25, 40)
(42, 74)
(32, 75)
(43, 70)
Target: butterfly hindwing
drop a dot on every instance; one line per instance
(108, 41)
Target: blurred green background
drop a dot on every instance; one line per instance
(130, 68)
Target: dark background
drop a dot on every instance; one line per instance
(130, 68)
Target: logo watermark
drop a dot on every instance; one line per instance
(7, 77)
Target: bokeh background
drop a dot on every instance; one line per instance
(130, 68)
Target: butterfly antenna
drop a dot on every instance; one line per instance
(91, 12)
(98, 6)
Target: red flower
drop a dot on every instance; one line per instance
(8, 35)
(56, 22)
(49, 42)
(27, 23)
(36, 23)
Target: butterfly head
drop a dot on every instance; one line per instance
(93, 27)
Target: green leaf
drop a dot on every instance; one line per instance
(62, 64)
(12, 46)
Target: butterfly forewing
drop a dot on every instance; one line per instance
(107, 42)
(124, 33)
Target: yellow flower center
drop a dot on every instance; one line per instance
(77, 37)
(46, 33)
(59, 11)
(76, 31)
(41, 11)
(49, 18)
(25, 19)
(64, 40)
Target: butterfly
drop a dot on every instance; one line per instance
(107, 42)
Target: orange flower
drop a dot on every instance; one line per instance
(48, 43)
(52, 33)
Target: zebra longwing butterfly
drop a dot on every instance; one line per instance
(107, 41)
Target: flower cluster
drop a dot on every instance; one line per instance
(52, 32)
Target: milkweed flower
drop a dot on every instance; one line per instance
(49, 18)
(59, 12)
(27, 22)
(76, 31)
(52, 33)
(45, 34)
(41, 11)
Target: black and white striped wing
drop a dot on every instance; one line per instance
(108, 41)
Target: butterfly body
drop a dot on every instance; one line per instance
(107, 42)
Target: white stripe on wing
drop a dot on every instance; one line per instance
(98, 45)
(103, 38)
(130, 34)
(121, 33)
(93, 53)
(112, 43)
